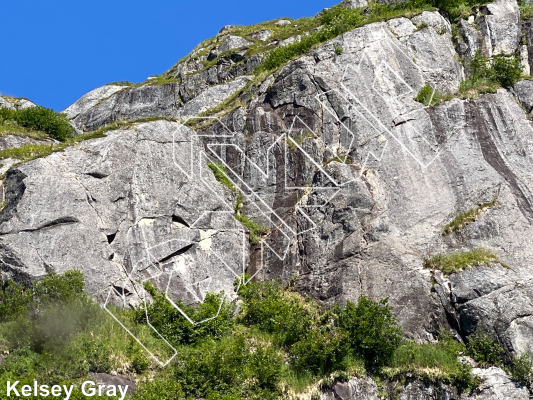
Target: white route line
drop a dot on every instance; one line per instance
(288, 232)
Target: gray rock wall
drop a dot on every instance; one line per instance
(354, 179)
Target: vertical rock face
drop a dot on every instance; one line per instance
(121, 207)
(500, 23)
(354, 179)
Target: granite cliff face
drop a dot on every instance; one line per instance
(354, 179)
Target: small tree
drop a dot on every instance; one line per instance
(482, 348)
(506, 69)
(371, 330)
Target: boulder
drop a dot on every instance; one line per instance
(233, 42)
(501, 26)
(524, 92)
(262, 35)
(283, 22)
(355, 3)
(496, 384)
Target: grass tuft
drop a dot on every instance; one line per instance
(458, 261)
(467, 217)
(256, 230)
(220, 175)
(429, 96)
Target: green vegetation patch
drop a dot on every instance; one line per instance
(53, 332)
(486, 76)
(429, 96)
(467, 217)
(484, 350)
(220, 175)
(482, 347)
(338, 20)
(526, 9)
(433, 362)
(256, 230)
(30, 152)
(458, 261)
(38, 119)
(278, 343)
(8, 127)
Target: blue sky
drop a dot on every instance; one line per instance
(55, 51)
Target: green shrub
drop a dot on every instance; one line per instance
(229, 367)
(429, 96)
(161, 388)
(506, 69)
(40, 119)
(371, 330)
(482, 348)
(319, 352)
(268, 307)
(172, 325)
(522, 370)
(15, 300)
(486, 75)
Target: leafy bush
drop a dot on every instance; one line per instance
(172, 325)
(371, 330)
(161, 388)
(522, 370)
(482, 348)
(506, 69)
(429, 96)
(16, 300)
(229, 367)
(40, 119)
(319, 352)
(486, 75)
(268, 307)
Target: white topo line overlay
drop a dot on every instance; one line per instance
(194, 167)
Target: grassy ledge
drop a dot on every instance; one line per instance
(459, 261)
(32, 151)
(467, 217)
(338, 20)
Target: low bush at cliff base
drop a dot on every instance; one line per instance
(278, 342)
